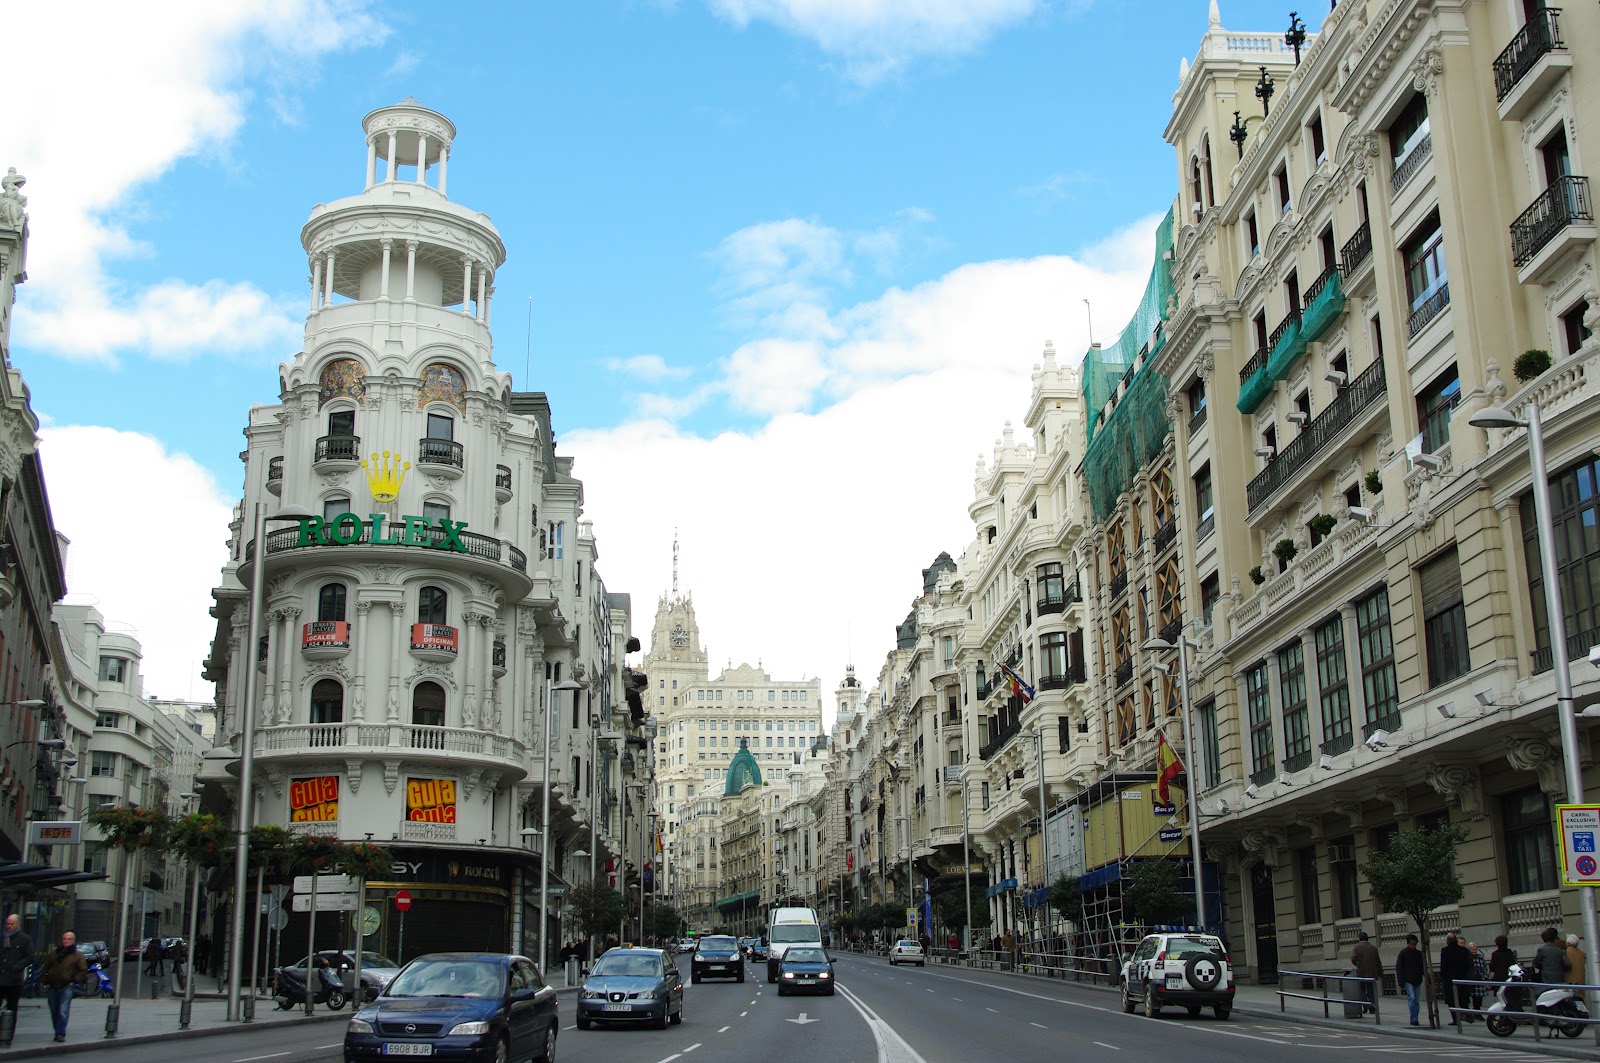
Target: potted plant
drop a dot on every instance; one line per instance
(1257, 576)
(1374, 482)
(1285, 550)
(1530, 363)
(1322, 524)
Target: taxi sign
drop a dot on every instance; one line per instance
(1580, 844)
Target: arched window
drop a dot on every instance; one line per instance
(433, 606)
(330, 603)
(1196, 193)
(1205, 162)
(427, 710)
(327, 707)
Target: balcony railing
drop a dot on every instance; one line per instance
(351, 735)
(1166, 535)
(502, 482)
(1578, 646)
(1564, 202)
(479, 546)
(1197, 420)
(1171, 630)
(1125, 672)
(1257, 361)
(1320, 282)
(446, 452)
(1407, 167)
(1074, 592)
(275, 469)
(1364, 390)
(1430, 309)
(1538, 37)
(1052, 603)
(337, 448)
(1000, 738)
(1298, 762)
(1074, 674)
(1357, 249)
(1290, 320)
(1119, 583)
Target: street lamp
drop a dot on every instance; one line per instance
(551, 687)
(241, 878)
(186, 1007)
(1556, 621)
(966, 857)
(1183, 647)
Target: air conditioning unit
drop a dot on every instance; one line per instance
(1341, 853)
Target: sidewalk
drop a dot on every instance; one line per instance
(141, 1021)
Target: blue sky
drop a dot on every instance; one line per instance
(790, 262)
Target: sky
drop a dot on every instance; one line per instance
(783, 267)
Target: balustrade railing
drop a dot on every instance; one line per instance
(1565, 201)
(1538, 37)
(1357, 249)
(1257, 361)
(1407, 167)
(1363, 391)
(1427, 310)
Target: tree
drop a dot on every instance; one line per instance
(1150, 888)
(596, 909)
(1415, 875)
(1066, 898)
(665, 922)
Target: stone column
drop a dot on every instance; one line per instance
(284, 664)
(488, 305)
(469, 653)
(316, 284)
(372, 160)
(422, 158)
(327, 282)
(359, 631)
(483, 281)
(396, 638)
(466, 284)
(387, 244)
(1352, 664)
(411, 271)
(389, 175)
(444, 161)
(1308, 651)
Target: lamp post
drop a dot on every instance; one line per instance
(966, 858)
(247, 743)
(185, 1009)
(1184, 643)
(1556, 621)
(551, 687)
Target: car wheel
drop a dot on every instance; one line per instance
(1194, 1011)
(739, 977)
(1128, 1003)
(1152, 1010)
(583, 1022)
(550, 1043)
(502, 1051)
(1223, 1011)
(922, 963)
(677, 1017)
(665, 1019)
(694, 979)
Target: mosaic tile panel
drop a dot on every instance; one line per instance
(442, 383)
(344, 378)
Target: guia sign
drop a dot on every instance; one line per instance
(347, 528)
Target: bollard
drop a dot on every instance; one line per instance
(183, 1015)
(8, 1026)
(247, 1006)
(113, 1012)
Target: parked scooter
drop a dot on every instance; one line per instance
(97, 984)
(1510, 1008)
(289, 989)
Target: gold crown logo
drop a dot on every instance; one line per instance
(386, 476)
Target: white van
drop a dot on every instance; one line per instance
(789, 927)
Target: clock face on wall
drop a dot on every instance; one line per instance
(680, 637)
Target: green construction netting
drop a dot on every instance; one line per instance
(1136, 428)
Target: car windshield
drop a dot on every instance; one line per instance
(635, 965)
(715, 944)
(805, 956)
(377, 959)
(448, 978)
(787, 932)
(1193, 947)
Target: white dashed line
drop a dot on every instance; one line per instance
(991, 1009)
(269, 1055)
(927, 990)
(1040, 1027)
(1113, 1048)
(725, 1029)
(742, 1014)
(670, 1058)
(691, 1048)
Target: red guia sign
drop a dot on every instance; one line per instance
(431, 800)
(314, 800)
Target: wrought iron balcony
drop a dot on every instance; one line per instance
(343, 450)
(1051, 603)
(275, 475)
(1073, 675)
(502, 483)
(1365, 390)
(1566, 201)
(1171, 630)
(1334, 746)
(1198, 420)
(1298, 762)
(1257, 361)
(1578, 645)
(1406, 168)
(1074, 592)
(1262, 776)
(1125, 672)
(443, 455)
(1290, 320)
(1538, 37)
(1428, 310)
(1357, 249)
(484, 547)
(1318, 283)
(1166, 535)
(1000, 738)
(1119, 583)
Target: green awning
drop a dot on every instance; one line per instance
(1323, 310)
(738, 900)
(1290, 346)
(1254, 390)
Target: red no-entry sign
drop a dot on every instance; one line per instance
(402, 900)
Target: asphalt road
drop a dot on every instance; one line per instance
(901, 1015)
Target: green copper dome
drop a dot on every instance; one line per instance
(743, 771)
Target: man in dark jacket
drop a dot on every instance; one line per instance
(1501, 959)
(63, 968)
(1368, 964)
(1455, 962)
(1551, 963)
(1408, 972)
(16, 956)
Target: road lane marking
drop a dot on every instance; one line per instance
(958, 1000)
(1040, 1027)
(725, 1029)
(691, 1048)
(892, 1048)
(991, 1009)
(269, 1055)
(318, 1048)
(1113, 1048)
(574, 1026)
(927, 990)
(742, 1014)
(670, 1058)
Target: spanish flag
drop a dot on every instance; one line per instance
(1019, 689)
(1168, 767)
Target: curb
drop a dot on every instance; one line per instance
(103, 1042)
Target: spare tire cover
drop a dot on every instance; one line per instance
(1203, 972)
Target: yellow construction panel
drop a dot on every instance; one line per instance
(1128, 825)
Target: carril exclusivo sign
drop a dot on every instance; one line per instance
(347, 528)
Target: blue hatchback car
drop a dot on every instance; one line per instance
(632, 985)
(471, 1007)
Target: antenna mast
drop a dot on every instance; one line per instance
(674, 562)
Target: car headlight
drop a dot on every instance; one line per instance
(824, 974)
(359, 1026)
(467, 1029)
(647, 994)
(788, 974)
(590, 994)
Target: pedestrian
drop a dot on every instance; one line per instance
(64, 968)
(1501, 959)
(154, 964)
(202, 953)
(953, 943)
(1009, 943)
(1480, 973)
(1368, 964)
(1455, 962)
(1579, 969)
(1551, 963)
(1408, 972)
(16, 956)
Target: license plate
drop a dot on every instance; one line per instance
(619, 1007)
(1174, 981)
(717, 967)
(390, 1049)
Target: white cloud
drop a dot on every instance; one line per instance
(878, 38)
(807, 547)
(647, 367)
(144, 89)
(103, 485)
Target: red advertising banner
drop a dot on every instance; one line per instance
(314, 800)
(431, 800)
(325, 633)
(433, 637)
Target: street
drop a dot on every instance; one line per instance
(881, 1014)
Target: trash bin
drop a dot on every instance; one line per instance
(572, 971)
(1355, 1000)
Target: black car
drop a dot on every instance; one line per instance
(805, 969)
(474, 1007)
(632, 985)
(716, 956)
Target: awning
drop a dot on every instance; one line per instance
(17, 874)
(738, 900)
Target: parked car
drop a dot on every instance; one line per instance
(686, 945)
(632, 985)
(716, 955)
(805, 969)
(475, 1007)
(377, 970)
(95, 952)
(1190, 970)
(758, 951)
(907, 950)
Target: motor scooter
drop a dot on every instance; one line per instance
(97, 984)
(1510, 1008)
(289, 988)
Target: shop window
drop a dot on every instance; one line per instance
(1444, 618)
(330, 601)
(433, 606)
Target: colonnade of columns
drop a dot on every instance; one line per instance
(478, 309)
(392, 160)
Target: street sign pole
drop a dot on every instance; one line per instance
(402, 903)
(311, 948)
